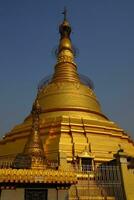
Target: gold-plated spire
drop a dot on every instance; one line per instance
(32, 156)
(34, 148)
(65, 69)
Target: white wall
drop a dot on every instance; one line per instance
(52, 194)
(17, 194)
(62, 194)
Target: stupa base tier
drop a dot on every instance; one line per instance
(71, 136)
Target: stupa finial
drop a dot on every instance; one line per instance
(65, 13)
(65, 28)
(65, 68)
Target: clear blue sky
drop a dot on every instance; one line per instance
(103, 30)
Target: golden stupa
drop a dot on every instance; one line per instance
(66, 148)
(72, 124)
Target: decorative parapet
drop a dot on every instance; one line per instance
(37, 176)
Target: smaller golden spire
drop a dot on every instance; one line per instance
(34, 148)
(65, 69)
(32, 156)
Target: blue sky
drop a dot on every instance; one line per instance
(103, 31)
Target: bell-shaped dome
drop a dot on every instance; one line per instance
(66, 91)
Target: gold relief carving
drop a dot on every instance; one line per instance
(91, 93)
(76, 84)
(52, 87)
(45, 90)
(65, 59)
(49, 86)
(60, 85)
(57, 85)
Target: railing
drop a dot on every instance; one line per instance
(6, 161)
(99, 182)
